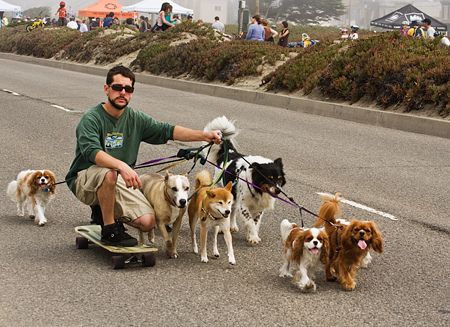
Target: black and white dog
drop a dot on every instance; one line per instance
(259, 178)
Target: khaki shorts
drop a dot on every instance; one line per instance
(130, 203)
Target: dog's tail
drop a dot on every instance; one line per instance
(12, 190)
(228, 131)
(329, 210)
(203, 179)
(285, 229)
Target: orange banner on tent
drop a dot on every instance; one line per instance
(104, 7)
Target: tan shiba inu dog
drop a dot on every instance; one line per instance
(212, 206)
(168, 196)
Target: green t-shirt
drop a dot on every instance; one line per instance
(120, 138)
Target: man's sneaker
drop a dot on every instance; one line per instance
(115, 234)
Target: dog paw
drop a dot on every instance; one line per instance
(31, 216)
(284, 274)
(172, 255)
(20, 213)
(349, 286)
(205, 260)
(231, 261)
(253, 240)
(42, 222)
(234, 229)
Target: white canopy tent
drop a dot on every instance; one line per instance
(154, 6)
(4, 6)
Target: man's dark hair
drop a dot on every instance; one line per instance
(120, 70)
(427, 21)
(216, 18)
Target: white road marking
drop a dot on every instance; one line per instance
(9, 91)
(363, 207)
(62, 108)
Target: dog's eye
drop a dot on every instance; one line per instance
(186, 188)
(309, 239)
(221, 202)
(174, 189)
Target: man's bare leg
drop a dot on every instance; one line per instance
(106, 195)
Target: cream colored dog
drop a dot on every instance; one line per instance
(168, 196)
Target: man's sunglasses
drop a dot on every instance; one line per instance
(119, 88)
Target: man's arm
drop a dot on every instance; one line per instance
(181, 133)
(131, 178)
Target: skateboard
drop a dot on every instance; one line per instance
(122, 256)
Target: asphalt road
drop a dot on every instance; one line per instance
(46, 281)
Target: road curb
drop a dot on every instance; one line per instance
(399, 121)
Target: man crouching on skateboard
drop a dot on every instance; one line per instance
(108, 140)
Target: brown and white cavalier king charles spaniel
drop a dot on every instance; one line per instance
(33, 189)
(304, 249)
(350, 242)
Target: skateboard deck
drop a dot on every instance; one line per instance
(124, 255)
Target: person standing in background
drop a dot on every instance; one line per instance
(107, 22)
(143, 25)
(62, 14)
(83, 26)
(429, 30)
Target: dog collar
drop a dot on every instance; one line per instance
(208, 214)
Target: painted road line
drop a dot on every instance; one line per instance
(364, 207)
(11, 92)
(62, 108)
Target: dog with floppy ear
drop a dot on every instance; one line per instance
(303, 251)
(168, 196)
(33, 189)
(212, 207)
(350, 242)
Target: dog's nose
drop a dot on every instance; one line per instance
(227, 212)
(183, 202)
(361, 232)
(315, 243)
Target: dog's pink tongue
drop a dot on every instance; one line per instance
(314, 250)
(362, 244)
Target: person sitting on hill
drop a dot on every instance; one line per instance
(344, 33)
(255, 30)
(354, 34)
(218, 25)
(284, 35)
(306, 42)
(269, 33)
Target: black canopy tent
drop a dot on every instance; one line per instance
(407, 13)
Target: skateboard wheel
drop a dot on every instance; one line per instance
(118, 262)
(148, 260)
(81, 242)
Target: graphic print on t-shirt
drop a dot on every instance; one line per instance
(114, 140)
